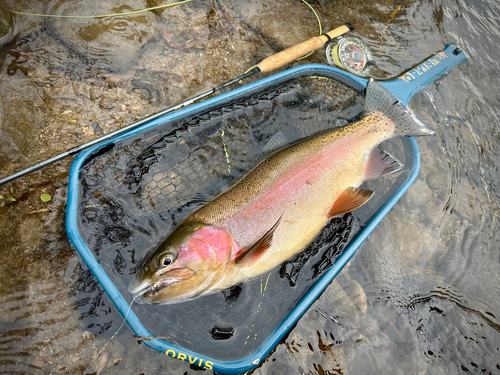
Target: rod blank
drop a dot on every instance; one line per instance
(272, 62)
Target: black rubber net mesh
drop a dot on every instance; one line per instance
(133, 193)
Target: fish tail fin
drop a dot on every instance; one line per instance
(406, 122)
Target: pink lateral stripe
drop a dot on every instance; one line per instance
(310, 169)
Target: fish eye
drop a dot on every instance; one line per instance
(167, 260)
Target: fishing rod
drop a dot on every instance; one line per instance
(268, 64)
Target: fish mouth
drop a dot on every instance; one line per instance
(157, 283)
(137, 288)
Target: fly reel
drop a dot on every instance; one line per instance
(350, 54)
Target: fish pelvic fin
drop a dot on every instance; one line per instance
(406, 122)
(380, 164)
(250, 256)
(350, 199)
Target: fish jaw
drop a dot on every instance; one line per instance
(157, 283)
(199, 261)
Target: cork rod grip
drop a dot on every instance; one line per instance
(290, 54)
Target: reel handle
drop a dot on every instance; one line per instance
(290, 54)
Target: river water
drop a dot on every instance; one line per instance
(421, 295)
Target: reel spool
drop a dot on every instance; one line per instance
(350, 54)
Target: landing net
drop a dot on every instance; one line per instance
(134, 192)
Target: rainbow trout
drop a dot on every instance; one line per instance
(279, 208)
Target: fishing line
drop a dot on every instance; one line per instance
(121, 326)
(259, 306)
(434, 105)
(101, 15)
(319, 24)
(391, 18)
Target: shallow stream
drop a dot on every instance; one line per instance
(422, 295)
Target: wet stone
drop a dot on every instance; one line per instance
(438, 181)
(107, 103)
(356, 293)
(87, 335)
(423, 194)
(96, 128)
(38, 362)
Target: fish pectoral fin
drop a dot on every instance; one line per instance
(380, 164)
(350, 199)
(251, 255)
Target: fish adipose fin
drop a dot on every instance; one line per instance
(380, 164)
(250, 256)
(349, 200)
(406, 122)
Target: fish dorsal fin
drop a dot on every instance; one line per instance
(380, 164)
(251, 255)
(350, 199)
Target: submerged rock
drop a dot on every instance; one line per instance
(316, 354)
(107, 41)
(13, 25)
(5, 22)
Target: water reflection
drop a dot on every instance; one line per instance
(113, 42)
(420, 296)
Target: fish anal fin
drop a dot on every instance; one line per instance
(380, 164)
(350, 199)
(250, 256)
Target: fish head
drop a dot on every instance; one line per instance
(188, 263)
